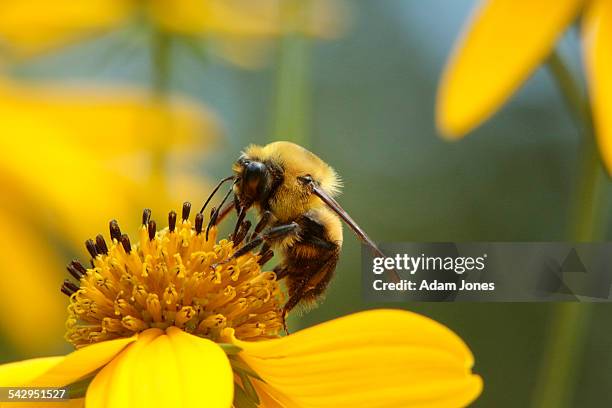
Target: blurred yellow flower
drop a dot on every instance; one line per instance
(504, 42)
(64, 152)
(177, 319)
(32, 26)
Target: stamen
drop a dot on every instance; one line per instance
(199, 221)
(172, 277)
(186, 210)
(91, 248)
(172, 221)
(115, 231)
(152, 229)
(74, 272)
(101, 245)
(125, 242)
(146, 216)
(70, 287)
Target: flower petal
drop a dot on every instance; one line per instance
(80, 363)
(112, 387)
(48, 153)
(206, 373)
(504, 42)
(161, 370)
(37, 25)
(61, 370)
(73, 403)
(597, 42)
(23, 372)
(369, 359)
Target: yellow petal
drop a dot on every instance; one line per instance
(67, 152)
(161, 370)
(63, 370)
(113, 386)
(30, 301)
(250, 18)
(23, 372)
(504, 41)
(242, 17)
(369, 359)
(35, 25)
(73, 403)
(80, 363)
(597, 41)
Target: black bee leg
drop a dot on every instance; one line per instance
(261, 224)
(218, 215)
(293, 301)
(269, 235)
(280, 271)
(241, 215)
(241, 233)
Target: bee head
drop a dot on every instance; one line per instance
(253, 180)
(280, 177)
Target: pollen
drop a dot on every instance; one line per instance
(172, 277)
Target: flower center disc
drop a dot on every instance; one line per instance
(173, 277)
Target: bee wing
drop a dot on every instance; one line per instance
(335, 206)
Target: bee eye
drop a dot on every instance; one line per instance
(307, 179)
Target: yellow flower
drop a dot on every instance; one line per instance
(179, 319)
(32, 26)
(62, 152)
(504, 42)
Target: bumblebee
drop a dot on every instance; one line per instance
(293, 191)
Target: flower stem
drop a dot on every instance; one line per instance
(160, 63)
(293, 80)
(570, 322)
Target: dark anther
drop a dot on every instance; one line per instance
(91, 248)
(186, 210)
(152, 227)
(172, 221)
(241, 233)
(77, 265)
(199, 220)
(265, 257)
(101, 245)
(69, 288)
(146, 216)
(125, 242)
(74, 271)
(115, 231)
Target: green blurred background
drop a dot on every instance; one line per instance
(365, 104)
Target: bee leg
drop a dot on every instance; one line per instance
(261, 224)
(241, 214)
(269, 235)
(281, 272)
(293, 301)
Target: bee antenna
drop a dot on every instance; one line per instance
(215, 191)
(215, 214)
